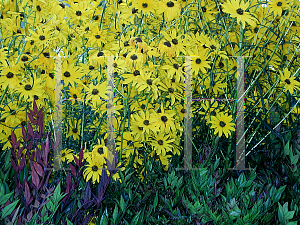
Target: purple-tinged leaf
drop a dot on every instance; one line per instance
(18, 144)
(86, 219)
(34, 107)
(80, 157)
(38, 168)
(29, 216)
(16, 168)
(38, 156)
(46, 151)
(76, 161)
(40, 113)
(47, 179)
(87, 193)
(30, 130)
(73, 170)
(27, 193)
(69, 183)
(13, 139)
(35, 177)
(32, 120)
(41, 128)
(22, 163)
(13, 153)
(29, 147)
(31, 112)
(24, 134)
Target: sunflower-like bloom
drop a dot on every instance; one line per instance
(239, 11)
(222, 123)
(171, 9)
(289, 81)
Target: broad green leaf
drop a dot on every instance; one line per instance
(294, 159)
(122, 203)
(155, 201)
(4, 198)
(8, 209)
(115, 213)
(287, 148)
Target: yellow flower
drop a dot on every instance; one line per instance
(170, 9)
(161, 143)
(222, 123)
(146, 6)
(289, 81)
(238, 10)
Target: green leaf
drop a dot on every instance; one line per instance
(4, 198)
(155, 201)
(122, 203)
(287, 148)
(294, 159)
(288, 136)
(289, 215)
(8, 209)
(69, 222)
(136, 218)
(292, 223)
(115, 213)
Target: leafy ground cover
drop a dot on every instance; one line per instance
(148, 41)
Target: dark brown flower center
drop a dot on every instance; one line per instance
(240, 11)
(222, 124)
(97, 36)
(91, 67)
(95, 168)
(36, 97)
(255, 29)
(28, 87)
(74, 130)
(67, 74)
(38, 8)
(279, 3)
(133, 57)
(78, 13)
(183, 111)
(170, 4)
(134, 10)
(46, 54)
(176, 66)
(175, 41)
(203, 9)
(145, 5)
(221, 65)
(146, 122)
(95, 91)
(171, 90)
(140, 128)
(198, 61)
(149, 81)
(164, 119)
(136, 73)
(287, 81)
(167, 43)
(100, 54)
(42, 37)
(100, 150)
(24, 58)
(9, 75)
(160, 142)
(74, 96)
